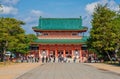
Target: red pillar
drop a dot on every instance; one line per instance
(72, 53)
(56, 54)
(39, 51)
(39, 55)
(81, 58)
(48, 52)
(64, 54)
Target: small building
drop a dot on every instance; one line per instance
(60, 36)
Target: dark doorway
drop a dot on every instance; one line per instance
(60, 52)
(68, 54)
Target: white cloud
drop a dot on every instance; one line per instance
(111, 4)
(34, 16)
(31, 20)
(103, 1)
(8, 7)
(10, 2)
(90, 7)
(9, 10)
(36, 12)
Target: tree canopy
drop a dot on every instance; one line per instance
(13, 37)
(104, 35)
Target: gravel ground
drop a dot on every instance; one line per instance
(15, 70)
(112, 68)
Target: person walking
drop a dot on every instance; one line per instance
(74, 60)
(46, 59)
(43, 59)
(53, 58)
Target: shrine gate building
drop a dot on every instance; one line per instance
(63, 36)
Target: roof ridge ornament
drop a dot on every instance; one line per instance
(80, 17)
(80, 21)
(40, 21)
(40, 17)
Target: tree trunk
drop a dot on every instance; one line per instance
(4, 51)
(5, 47)
(4, 57)
(109, 57)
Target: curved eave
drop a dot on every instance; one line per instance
(44, 30)
(59, 43)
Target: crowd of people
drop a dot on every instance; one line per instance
(60, 58)
(46, 59)
(53, 59)
(29, 59)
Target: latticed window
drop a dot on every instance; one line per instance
(45, 34)
(74, 34)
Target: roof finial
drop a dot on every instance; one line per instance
(40, 21)
(40, 17)
(80, 17)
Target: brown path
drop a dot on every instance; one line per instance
(13, 71)
(101, 66)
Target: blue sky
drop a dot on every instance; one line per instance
(30, 10)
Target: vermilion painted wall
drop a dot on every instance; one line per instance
(58, 35)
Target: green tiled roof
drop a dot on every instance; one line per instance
(61, 41)
(60, 24)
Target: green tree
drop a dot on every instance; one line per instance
(117, 24)
(24, 43)
(13, 37)
(104, 34)
(10, 31)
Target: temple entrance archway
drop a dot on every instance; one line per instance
(77, 53)
(43, 53)
(68, 53)
(60, 52)
(52, 53)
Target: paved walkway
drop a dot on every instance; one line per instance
(103, 66)
(68, 71)
(61, 70)
(15, 70)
